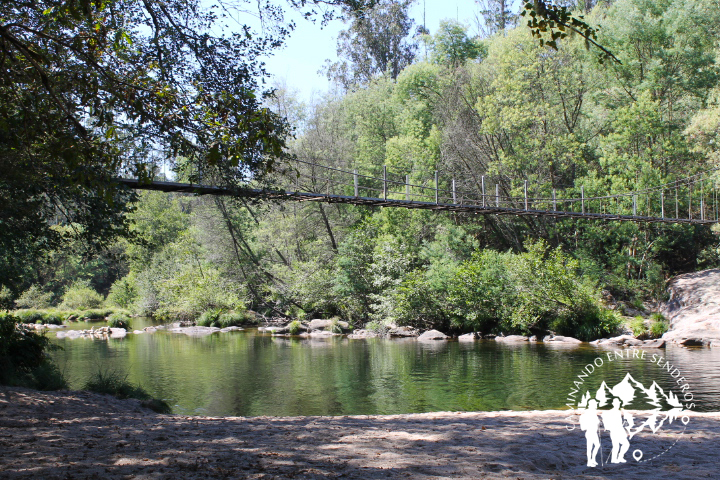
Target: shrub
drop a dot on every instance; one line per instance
(29, 316)
(334, 326)
(294, 327)
(80, 295)
(53, 318)
(659, 325)
(119, 320)
(123, 292)
(23, 357)
(111, 382)
(6, 298)
(35, 298)
(232, 319)
(637, 325)
(209, 318)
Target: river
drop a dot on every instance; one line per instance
(248, 373)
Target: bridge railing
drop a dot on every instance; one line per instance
(690, 198)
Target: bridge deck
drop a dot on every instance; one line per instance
(381, 202)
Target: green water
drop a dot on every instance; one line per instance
(246, 373)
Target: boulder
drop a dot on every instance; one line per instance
(402, 332)
(115, 332)
(195, 331)
(533, 339)
(320, 324)
(432, 335)
(693, 309)
(362, 333)
(657, 343)
(560, 339)
(468, 337)
(511, 339)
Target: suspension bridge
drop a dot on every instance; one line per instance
(692, 199)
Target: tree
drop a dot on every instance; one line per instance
(375, 44)
(93, 89)
(452, 46)
(496, 16)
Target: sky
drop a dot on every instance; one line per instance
(296, 65)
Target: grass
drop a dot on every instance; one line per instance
(111, 382)
(294, 327)
(119, 320)
(220, 319)
(637, 325)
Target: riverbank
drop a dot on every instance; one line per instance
(54, 435)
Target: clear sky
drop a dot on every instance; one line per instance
(296, 65)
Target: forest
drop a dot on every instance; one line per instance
(468, 101)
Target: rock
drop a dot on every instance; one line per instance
(468, 337)
(195, 331)
(432, 335)
(55, 327)
(613, 341)
(116, 332)
(362, 333)
(657, 343)
(320, 324)
(512, 339)
(402, 332)
(150, 329)
(693, 309)
(533, 339)
(230, 329)
(560, 339)
(322, 334)
(182, 324)
(138, 332)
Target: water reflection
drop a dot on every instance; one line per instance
(246, 373)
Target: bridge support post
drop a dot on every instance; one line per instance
(407, 187)
(634, 205)
(677, 204)
(384, 182)
(702, 201)
(497, 195)
(437, 192)
(662, 204)
(690, 201)
(355, 181)
(454, 194)
(526, 200)
(554, 198)
(482, 185)
(582, 198)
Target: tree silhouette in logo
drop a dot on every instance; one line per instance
(660, 407)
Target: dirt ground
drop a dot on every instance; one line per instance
(80, 435)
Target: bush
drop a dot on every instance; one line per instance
(123, 292)
(110, 382)
(637, 325)
(35, 298)
(29, 316)
(80, 296)
(119, 320)
(220, 319)
(294, 327)
(6, 298)
(659, 325)
(209, 318)
(53, 318)
(232, 319)
(23, 357)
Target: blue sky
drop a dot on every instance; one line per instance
(296, 65)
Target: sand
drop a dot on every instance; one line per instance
(79, 435)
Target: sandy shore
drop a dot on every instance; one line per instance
(79, 435)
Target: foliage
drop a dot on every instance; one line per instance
(29, 316)
(123, 292)
(24, 359)
(6, 298)
(294, 327)
(638, 327)
(34, 297)
(80, 296)
(112, 382)
(374, 44)
(658, 328)
(452, 46)
(119, 320)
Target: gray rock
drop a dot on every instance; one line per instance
(533, 339)
(117, 332)
(320, 324)
(150, 329)
(183, 323)
(560, 339)
(432, 335)
(693, 309)
(657, 343)
(468, 337)
(137, 332)
(402, 332)
(230, 329)
(362, 333)
(322, 334)
(512, 339)
(195, 331)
